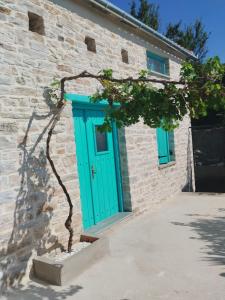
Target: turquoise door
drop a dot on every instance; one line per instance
(96, 167)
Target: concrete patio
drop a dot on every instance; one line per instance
(175, 252)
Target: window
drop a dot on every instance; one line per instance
(124, 54)
(157, 63)
(91, 45)
(101, 140)
(36, 23)
(166, 149)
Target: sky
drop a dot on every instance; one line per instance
(211, 12)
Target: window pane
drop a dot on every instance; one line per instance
(157, 63)
(101, 140)
(157, 66)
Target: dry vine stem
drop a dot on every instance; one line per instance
(86, 74)
(68, 222)
(60, 106)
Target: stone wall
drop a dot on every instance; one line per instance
(146, 183)
(33, 207)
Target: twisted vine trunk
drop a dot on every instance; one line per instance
(68, 222)
(60, 107)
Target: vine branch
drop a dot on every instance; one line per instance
(60, 107)
(100, 77)
(68, 222)
(195, 81)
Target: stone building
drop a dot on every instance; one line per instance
(106, 174)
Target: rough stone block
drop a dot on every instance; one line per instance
(5, 10)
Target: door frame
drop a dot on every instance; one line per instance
(84, 102)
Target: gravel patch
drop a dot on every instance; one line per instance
(61, 256)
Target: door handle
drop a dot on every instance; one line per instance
(93, 172)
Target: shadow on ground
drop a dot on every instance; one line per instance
(212, 232)
(33, 292)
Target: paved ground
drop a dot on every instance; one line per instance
(175, 253)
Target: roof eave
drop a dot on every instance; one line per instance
(142, 27)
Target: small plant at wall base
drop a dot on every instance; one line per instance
(201, 87)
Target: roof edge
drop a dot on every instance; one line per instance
(141, 26)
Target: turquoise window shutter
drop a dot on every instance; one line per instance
(163, 147)
(166, 147)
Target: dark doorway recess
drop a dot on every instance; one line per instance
(208, 135)
(209, 158)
